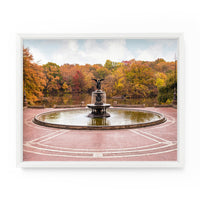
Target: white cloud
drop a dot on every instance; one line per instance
(97, 52)
(155, 51)
(38, 56)
(150, 53)
(90, 52)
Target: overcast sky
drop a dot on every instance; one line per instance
(98, 51)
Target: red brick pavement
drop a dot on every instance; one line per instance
(154, 143)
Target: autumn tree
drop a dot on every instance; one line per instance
(166, 93)
(160, 79)
(54, 78)
(69, 74)
(111, 65)
(108, 84)
(78, 82)
(120, 86)
(34, 79)
(101, 73)
(141, 81)
(137, 79)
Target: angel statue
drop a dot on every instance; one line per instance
(98, 83)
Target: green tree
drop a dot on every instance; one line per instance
(166, 93)
(101, 73)
(111, 65)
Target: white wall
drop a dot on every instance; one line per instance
(99, 16)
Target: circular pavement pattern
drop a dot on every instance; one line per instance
(155, 143)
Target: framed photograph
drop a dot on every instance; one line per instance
(100, 100)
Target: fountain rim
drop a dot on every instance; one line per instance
(105, 105)
(103, 127)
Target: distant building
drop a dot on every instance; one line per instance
(128, 62)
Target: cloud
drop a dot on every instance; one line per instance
(150, 53)
(38, 56)
(90, 51)
(93, 51)
(161, 49)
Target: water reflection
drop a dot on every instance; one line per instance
(76, 99)
(50, 116)
(118, 117)
(138, 117)
(98, 122)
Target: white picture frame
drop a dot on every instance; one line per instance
(101, 164)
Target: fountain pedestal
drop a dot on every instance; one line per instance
(98, 105)
(98, 111)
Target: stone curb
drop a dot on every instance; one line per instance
(76, 127)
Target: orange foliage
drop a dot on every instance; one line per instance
(127, 78)
(33, 78)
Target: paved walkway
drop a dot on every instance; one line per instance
(155, 143)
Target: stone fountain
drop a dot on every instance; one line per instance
(98, 105)
(99, 119)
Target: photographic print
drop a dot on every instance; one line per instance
(100, 100)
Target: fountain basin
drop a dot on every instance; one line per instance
(120, 118)
(98, 111)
